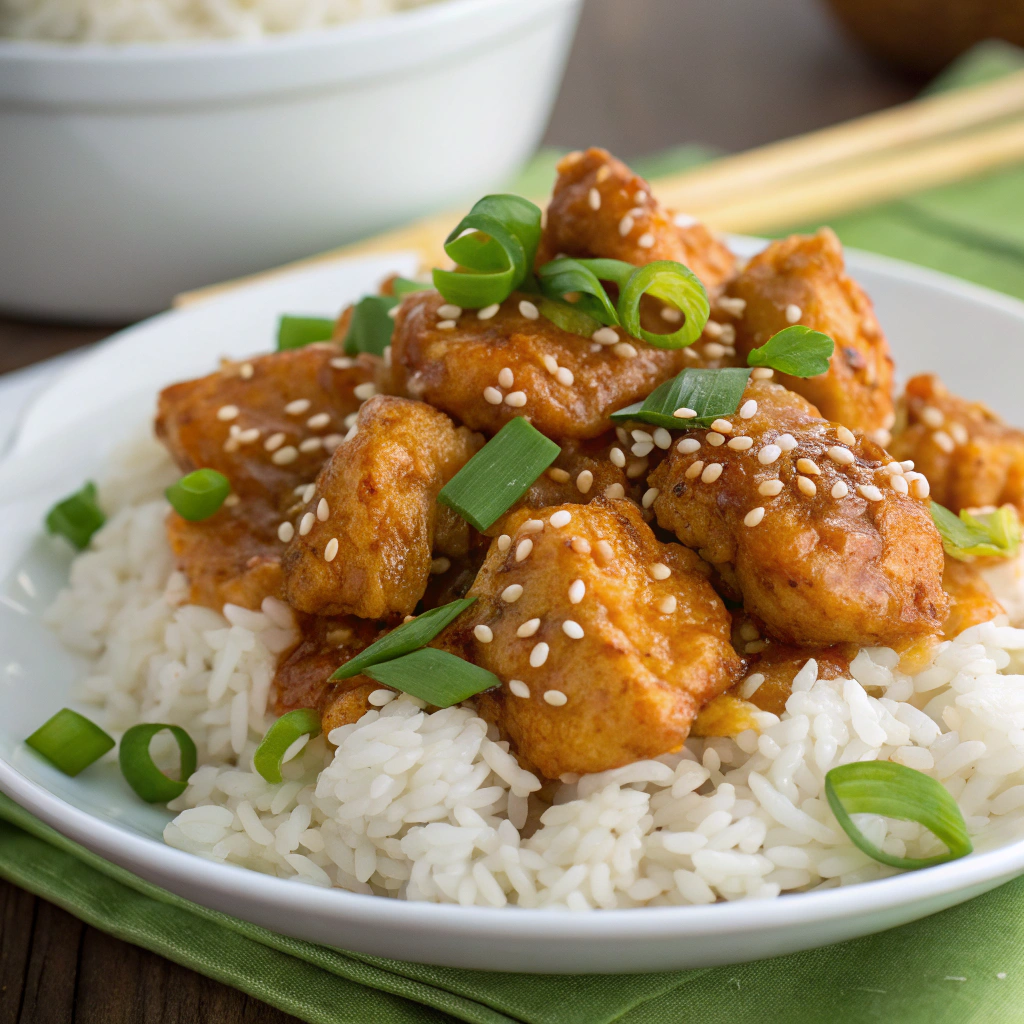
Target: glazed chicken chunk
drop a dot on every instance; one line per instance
(821, 533)
(802, 279)
(971, 458)
(607, 641)
(365, 541)
(600, 208)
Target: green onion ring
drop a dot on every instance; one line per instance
(137, 766)
(565, 275)
(280, 736)
(569, 318)
(70, 741)
(895, 791)
(199, 495)
(673, 284)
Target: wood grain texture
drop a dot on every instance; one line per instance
(643, 75)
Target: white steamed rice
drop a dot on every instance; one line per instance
(433, 807)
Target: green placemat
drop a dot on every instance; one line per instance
(964, 966)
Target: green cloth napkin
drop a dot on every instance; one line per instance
(945, 968)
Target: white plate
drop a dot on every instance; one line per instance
(971, 336)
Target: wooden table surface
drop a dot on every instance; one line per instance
(643, 75)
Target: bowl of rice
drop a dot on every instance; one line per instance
(152, 147)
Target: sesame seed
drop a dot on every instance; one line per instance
(787, 442)
(489, 311)
(688, 446)
(331, 551)
(793, 313)
(532, 526)
(393, 313)
(740, 444)
(808, 466)
(899, 484)
(660, 571)
(642, 448)
(439, 565)
(714, 351)
(943, 441)
(842, 456)
(322, 510)
(585, 481)
(232, 500)
(285, 532)
(231, 445)
(446, 325)
(932, 417)
(748, 409)
(625, 351)
(734, 307)
(523, 549)
(646, 240)
(504, 542)
(250, 435)
(637, 467)
(350, 420)
(617, 457)
(769, 488)
(449, 311)
(694, 470)
(603, 172)
(493, 396)
(576, 591)
(605, 552)
(565, 376)
(516, 399)
(806, 486)
(298, 407)
(332, 441)
(754, 516)
(594, 199)
(671, 314)
(505, 378)
(483, 633)
(528, 628)
(641, 435)
(512, 593)
(715, 439)
(869, 491)
(685, 413)
(246, 370)
(518, 688)
(539, 654)
(959, 433)
(893, 469)
(528, 309)
(625, 225)
(840, 490)
(365, 391)
(285, 456)
(227, 412)
(550, 364)
(728, 334)
(560, 476)
(667, 605)
(572, 629)
(605, 336)
(920, 488)
(768, 454)
(342, 363)
(555, 698)
(762, 373)
(713, 329)
(649, 495)
(711, 473)
(907, 464)
(274, 442)
(319, 421)
(580, 545)
(722, 426)
(845, 435)
(560, 518)
(615, 491)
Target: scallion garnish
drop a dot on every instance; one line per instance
(565, 276)
(138, 767)
(404, 639)
(300, 331)
(403, 286)
(199, 495)
(796, 350)
(371, 327)
(493, 247)
(279, 739)
(895, 791)
(70, 742)
(499, 474)
(439, 678)
(568, 317)
(77, 517)
(987, 535)
(710, 394)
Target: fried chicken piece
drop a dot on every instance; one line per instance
(365, 543)
(802, 279)
(607, 641)
(780, 663)
(563, 387)
(600, 208)
(971, 458)
(809, 524)
(971, 598)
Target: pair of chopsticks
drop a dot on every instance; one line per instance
(918, 145)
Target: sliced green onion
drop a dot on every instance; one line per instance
(70, 742)
(279, 739)
(564, 276)
(77, 517)
(895, 791)
(966, 537)
(710, 394)
(673, 284)
(371, 327)
(199, 495)
(138, 767)
(300, 331)
(403, 286)
(405, 638)
(493, 247)
(568, 317)
(499, 474)
(435, 676)
(797, 350)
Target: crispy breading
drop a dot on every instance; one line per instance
(971, 458)
(807, 272)
(653, 650)
(372, 518)
(864, 566)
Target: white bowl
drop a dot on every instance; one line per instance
(130, 173)
(65, 438)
